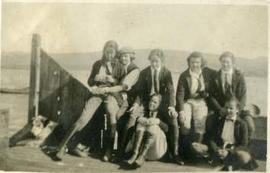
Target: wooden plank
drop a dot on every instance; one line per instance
(19, 159)
(34, 77)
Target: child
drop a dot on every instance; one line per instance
(148, 131)
(230, 141)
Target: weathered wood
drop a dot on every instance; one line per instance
(34, 77)
(62, 97)
(4, 117)
(20, 160)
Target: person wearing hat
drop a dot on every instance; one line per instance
(125, 88)
(105, 72)
(192, 101)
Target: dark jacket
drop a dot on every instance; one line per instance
(240, 135)
(117, 72)
(144, 85)
(238, 90)
(184, 83)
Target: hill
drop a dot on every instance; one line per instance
(176, 61)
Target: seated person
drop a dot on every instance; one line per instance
(229, 141)
(150, 140)
(192, 100)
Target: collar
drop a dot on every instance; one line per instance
(229, 72)
(152, 69)
(232, 119)
(197, 75)
(126, 66)
(153, 113)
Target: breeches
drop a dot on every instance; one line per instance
(194, 110)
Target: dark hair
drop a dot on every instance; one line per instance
(233, 99)
(227, 54)
(157, 52)
(197, 54)
(111, 43)
(156, 95)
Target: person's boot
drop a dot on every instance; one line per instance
(176, 158)
(136, 147)
(148, 143)
(109, 148)
(61, 150)
(126, 136)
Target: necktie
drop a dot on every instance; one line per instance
(156, 81)
(199, 84)
(227, 85)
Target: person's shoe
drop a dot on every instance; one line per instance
(77, 152)
(138, 163)
(178, 160)
(132, 159)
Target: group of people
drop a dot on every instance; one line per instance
(205, 119)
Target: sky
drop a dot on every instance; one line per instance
(85, 27)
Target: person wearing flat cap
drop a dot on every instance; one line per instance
(126, 89)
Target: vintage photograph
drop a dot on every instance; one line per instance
(117, 86)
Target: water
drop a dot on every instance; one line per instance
(256, 86)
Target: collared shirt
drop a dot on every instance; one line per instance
(152, 114)
(103, 68)
(226, 76)
(153, 80)
(196, 80)
(228, 130)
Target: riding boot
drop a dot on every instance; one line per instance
(175, 145)
(63, 145)
(136, 146)
(148, 143)
(109, 148)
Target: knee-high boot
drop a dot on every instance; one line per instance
(175, 145)
(125, 138)
(110, 144)
(136, 146)
(147, 144)
(62, 147)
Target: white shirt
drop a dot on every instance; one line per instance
(195, 79)
(228, 131)
(131, 78)
(226, 75)
(152, 75)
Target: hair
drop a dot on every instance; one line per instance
(227, 54)
(111, 43)
(158, 52)
(233, 99)
(156, 95)
(197, 54)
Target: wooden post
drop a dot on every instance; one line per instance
(34, 77)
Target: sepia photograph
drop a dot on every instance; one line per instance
(141, 86)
